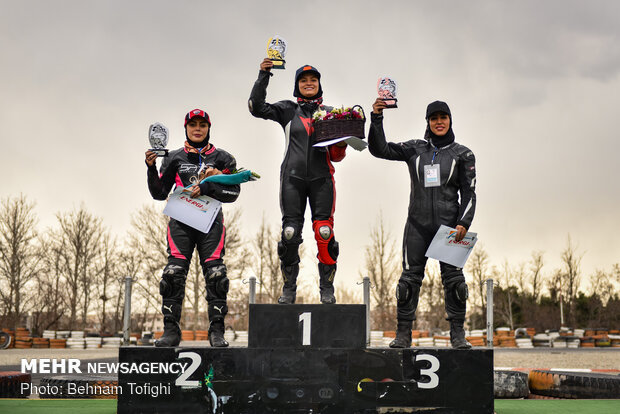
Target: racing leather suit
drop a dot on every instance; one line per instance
(180, 168)
(430, 207)
(306, 173)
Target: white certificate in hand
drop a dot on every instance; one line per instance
(446, 249)
(199, 212)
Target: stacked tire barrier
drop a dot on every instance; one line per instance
(11, 383)
(560, 384)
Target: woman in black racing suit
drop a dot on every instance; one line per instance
(182, 167)
(443, 181)
(306, 173)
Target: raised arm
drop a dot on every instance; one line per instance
(377, 145)
(257, 105)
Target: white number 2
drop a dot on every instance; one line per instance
(182, 380)
(305, 319)
(430, 372)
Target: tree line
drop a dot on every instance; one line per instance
(71, 276)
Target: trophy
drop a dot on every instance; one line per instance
(276, 50)
(386, 88)
(158, 137)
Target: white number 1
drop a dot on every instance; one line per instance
(305, 318)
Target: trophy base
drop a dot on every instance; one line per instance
(278, 63)
(390, 103)
(161, 152)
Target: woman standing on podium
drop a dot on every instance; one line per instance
(306, 174)
(182, 167)
(442, 171)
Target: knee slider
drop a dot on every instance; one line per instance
(461, 292)
(217, 282)
(403, 293)
(327, 245)
(172, 283)
(288, 247)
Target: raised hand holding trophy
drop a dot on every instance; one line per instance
(276, 50)
(158, 138)
(386, 88)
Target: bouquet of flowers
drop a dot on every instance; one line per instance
(338, 113)
(339, 123)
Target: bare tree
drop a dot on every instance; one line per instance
(267, 263)
(77, 243)
(237, 259)
(478, 267)
(505, 303)
(19, 258)
(536, 264)
(432, 308)
(382, 266)
(570, 276)
(107, 273)
(148, 239)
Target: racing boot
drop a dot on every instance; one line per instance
(457, 335)
(403, 335)
(326, 283)
(172, 333)
(216, 335)
(289, 290)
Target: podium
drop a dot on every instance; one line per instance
(305, 359)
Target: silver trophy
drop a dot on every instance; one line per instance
(158, 138)
(276, 50)
(386, 88)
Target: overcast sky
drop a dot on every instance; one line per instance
(533, 86)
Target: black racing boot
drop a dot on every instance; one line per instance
(403, 335)
(326, 283)
(172, 333)
(289, 290)
(457, 335)
(216, 335)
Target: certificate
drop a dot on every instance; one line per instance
(199, 212)
(446, 249)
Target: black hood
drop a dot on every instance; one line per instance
(301, 71)
(448, 138)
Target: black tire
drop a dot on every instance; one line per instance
(582, 385)
(510, 384)
(5, 340)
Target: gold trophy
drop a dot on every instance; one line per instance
(386, 88)
(276, 50)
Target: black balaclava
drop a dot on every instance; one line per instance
(301, 71)
(202, 114)
(448, 138)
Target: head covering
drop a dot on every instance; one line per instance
(298, 74)
(436, 140)
(197, 112)
(201, 114)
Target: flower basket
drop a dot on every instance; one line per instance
(344, 122)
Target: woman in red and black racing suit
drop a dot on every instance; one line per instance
(181, 168)
(306, 173)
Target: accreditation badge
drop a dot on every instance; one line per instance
(431, 176)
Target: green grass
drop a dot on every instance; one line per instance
(501, 406)
(557, 406)
(24, 406)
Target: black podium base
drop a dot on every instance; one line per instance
(312, 380)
